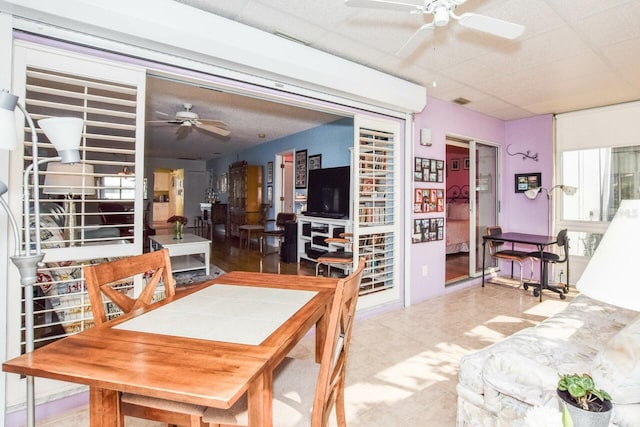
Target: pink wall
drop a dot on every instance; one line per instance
(535, 134)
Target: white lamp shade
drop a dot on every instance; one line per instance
(532, 193)
(76, 179)
(612, 273)
(64, 133)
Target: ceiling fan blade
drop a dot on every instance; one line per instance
(213, 129)
(494, 26)
(384, 4)
(217, 123)
(415, 40)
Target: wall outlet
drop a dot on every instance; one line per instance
(425, 270)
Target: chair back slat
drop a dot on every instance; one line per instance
(102, 279)
(336, 346)
(494, 246)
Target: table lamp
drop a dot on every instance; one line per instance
(69, 180)
(611, 275)
(64, 133)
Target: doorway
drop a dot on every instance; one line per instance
(168, 196)
(457, 207)
(472, 204)
(284, 183)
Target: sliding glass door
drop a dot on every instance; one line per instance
(484, 200)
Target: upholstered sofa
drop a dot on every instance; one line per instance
(52, 220)
(500, 383)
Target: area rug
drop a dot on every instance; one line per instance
(197, 276)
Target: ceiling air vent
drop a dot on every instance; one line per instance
(461, 101)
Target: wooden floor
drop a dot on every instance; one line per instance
(457, 267)
(227, 254)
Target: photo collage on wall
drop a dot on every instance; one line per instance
(427, 230)
(428, 200)
(428, 170)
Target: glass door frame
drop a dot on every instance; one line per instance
(494, 182)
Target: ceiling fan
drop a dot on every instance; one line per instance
(441, 11)
(187, 120)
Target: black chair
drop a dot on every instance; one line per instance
(496, 251)
(278, 232)
(562, 240)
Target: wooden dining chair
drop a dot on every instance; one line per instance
(304, 393)
(106, 279)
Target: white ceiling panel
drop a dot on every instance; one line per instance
(574, 54)
(612, 25)
(626, 65)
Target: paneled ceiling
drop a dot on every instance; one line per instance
(573, 54)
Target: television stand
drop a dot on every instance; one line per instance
(313, 230)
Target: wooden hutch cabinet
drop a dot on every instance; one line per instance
(245, 195)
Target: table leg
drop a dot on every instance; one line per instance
(542, 279)
(104, 408)
(207, 256)
(321, 332)
(484, 242)
(260, 401)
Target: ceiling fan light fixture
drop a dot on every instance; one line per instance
(440, 16)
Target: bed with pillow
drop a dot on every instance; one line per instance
(457, 225)
(498, 384)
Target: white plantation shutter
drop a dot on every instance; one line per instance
(376, 215)
(108, 144)
(109, 97)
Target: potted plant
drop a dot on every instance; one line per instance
(587, 405)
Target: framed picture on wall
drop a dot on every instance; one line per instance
(269, 172)
(315, 161)
(455, 164)
(466, 163)
(528, 181)
(301, 169)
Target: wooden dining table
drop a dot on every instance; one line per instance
(208, 345)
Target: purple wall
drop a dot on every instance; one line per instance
(535, 134)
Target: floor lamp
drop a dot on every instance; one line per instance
(64, 133)
(533, 193)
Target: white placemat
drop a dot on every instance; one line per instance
(237, 314)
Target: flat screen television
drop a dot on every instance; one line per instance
(328, 192)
